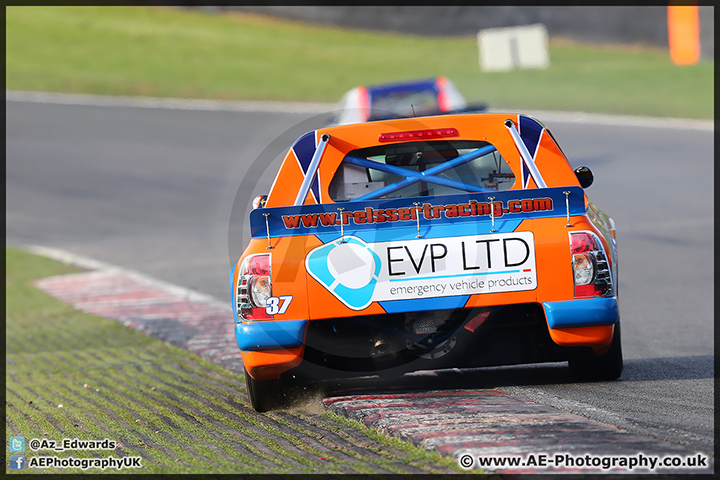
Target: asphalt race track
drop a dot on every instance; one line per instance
(165, 192)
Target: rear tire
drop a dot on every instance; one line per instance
(585, 365)
(278, 393)
(265, 395)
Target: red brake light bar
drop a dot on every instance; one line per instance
(418, 134)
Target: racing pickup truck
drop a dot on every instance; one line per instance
(422, 243)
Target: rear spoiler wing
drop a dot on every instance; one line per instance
(482, 211)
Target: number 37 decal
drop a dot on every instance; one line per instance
(278, 305)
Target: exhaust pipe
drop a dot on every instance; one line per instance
(380, 346)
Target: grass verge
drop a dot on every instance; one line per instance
(169, 52)
(74, 375)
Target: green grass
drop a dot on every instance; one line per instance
(75, 375)
(173, 52)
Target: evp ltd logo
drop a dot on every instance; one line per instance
(359, 273)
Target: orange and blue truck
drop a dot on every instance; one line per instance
(449, 241)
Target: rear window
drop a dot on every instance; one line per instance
(393, 171)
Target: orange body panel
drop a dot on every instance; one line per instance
(267, 365)
(599, 337)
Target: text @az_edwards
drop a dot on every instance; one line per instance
(71, 444)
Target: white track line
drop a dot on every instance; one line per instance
(167, 103)
(309, 107)
(619, 120)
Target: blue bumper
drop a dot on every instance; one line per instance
(269, 335)
(582, 312)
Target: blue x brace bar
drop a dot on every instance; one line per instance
(427, 175)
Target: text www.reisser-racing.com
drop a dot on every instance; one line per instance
(426, 211)
(585, 461)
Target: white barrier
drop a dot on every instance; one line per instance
(503, 49)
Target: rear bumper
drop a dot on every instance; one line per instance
(272, 347)
(284, 334)
(584, 312)
(270, 335)
(587, 322)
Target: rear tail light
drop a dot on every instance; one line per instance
(254, 287)
(591, 270)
